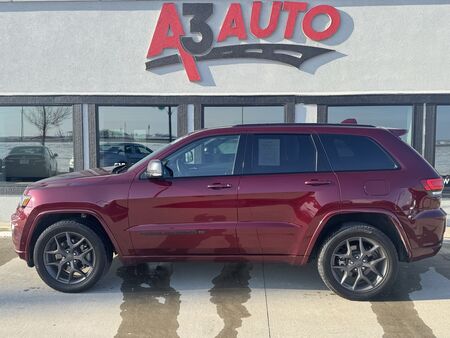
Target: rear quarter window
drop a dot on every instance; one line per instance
(356, 153)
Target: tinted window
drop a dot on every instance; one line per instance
(229, 116)
(26, 136)
(289, 153)
(442, 161)
(150, 127)
(212, 156)
(356, 153)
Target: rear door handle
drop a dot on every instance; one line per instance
(218, 186)
(316, 183)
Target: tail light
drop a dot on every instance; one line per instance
(434, 185)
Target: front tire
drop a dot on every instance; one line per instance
(70, 257)
(359, 262)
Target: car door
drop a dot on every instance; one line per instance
(192, 210)
(285, 189)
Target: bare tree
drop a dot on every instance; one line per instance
(45, 118)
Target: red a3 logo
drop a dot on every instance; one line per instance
(170, 34)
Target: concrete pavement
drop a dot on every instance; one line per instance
(221, 300)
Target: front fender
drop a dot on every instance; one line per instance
(38, 218)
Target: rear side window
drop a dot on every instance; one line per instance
(356, 153)
(282, 153)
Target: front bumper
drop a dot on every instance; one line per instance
(18, 220)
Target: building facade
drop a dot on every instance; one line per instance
(95, 83)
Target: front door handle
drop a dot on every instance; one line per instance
(316, 183)
(218, 186)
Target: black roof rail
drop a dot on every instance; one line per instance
(304, 124)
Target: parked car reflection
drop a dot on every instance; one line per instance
(30, 162)
(117, 153)
(114, 154)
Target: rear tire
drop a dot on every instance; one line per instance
(355, 272)
(70, 257)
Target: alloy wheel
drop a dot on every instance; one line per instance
(359, 264)
(69, 257)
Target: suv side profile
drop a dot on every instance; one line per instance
(357, 198)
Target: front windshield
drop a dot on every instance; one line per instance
(155, 153)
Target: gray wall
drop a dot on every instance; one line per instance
(96, 47)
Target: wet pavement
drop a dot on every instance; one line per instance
(221, 300)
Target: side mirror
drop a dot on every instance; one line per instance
(55, 155)
(154, 169)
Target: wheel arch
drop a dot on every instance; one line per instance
(382, 220)
(87, 218)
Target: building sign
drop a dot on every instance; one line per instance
(170, 34)
(446, 181)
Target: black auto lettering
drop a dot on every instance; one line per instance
(200, 13)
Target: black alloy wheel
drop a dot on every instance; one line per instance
(71, 257)
(359, 262)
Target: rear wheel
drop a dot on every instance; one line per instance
(70, 257)
(359, 262)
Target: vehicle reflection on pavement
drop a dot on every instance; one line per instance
(222, 300)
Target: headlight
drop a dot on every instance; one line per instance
(24, 201)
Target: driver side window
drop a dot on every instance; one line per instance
(211, 156)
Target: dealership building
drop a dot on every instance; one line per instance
(93, 83)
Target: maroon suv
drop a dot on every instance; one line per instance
(356, 197)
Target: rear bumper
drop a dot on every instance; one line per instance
(426, 233)
(19, 171)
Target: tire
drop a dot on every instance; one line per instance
(88, 261)
(352, 273)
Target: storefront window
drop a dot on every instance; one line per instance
(442, 155)
(229, 116)
(399, 117)
(128, 134)
(35, 142)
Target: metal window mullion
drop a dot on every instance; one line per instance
(93, 135)
(430, 133)
(77, 132)
(417, 127)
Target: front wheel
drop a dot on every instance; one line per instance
(359, 262)
(70, 257)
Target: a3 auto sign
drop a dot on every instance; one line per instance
(170, 34)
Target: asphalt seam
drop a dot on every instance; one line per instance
(265, 295)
